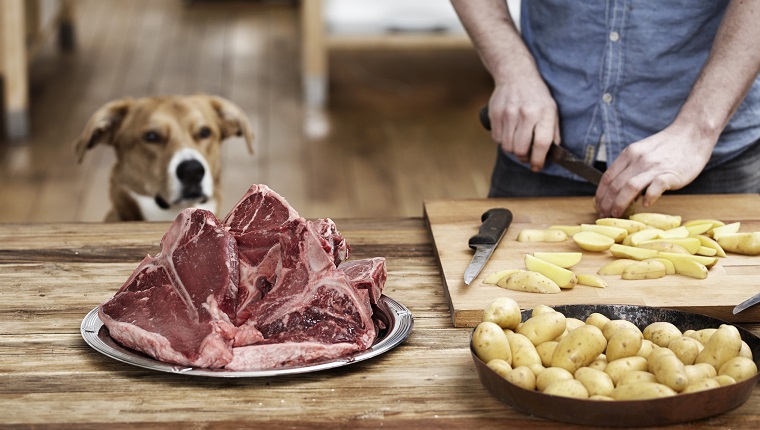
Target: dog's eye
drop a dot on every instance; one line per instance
(204, 132)
(151, 137)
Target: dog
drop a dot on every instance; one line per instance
(167, 152)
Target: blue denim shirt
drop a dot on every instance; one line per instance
(620, 70)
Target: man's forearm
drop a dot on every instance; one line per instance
(490, 27)
(730, 70)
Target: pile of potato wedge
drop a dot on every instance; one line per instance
(645, 246)
(607, 359)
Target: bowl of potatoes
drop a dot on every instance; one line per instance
(613, 365)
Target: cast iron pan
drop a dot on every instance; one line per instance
(630, 413)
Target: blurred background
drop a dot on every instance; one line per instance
(361, 108)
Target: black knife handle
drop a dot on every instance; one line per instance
(485, 120)
(495, 223)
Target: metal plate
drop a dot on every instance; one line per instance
(396, 318)
(629, 413)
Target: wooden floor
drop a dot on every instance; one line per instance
(402, 125)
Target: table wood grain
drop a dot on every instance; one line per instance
(51, 275)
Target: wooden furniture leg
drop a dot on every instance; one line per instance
(14, 68)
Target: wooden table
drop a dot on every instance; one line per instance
(51, 275)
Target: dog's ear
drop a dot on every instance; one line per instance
(233, 121)
(101, 126)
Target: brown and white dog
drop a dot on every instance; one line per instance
(167, 152)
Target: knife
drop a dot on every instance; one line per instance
(752, 301)
(559, 155)
(494, 223)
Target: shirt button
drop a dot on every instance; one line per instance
(614, 36)
(607, 97)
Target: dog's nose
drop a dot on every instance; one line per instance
(190, 172)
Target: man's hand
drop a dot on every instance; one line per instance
(524, 119)
(668, 160)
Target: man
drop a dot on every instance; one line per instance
(665, 95)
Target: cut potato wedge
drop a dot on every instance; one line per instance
(629, 225)
(696, 229)
(657, 220)
(747, 243)
(701, 259)
(615, 267)
(675, 233)
(591, 280)
(690, 268)
(670, 268)
(564, 278)
(714, 223)
(708, 252)
(646, 269)
(711, 243)
(644, 235)
(561, 259)
(493, 278)
(593, 241)
(689, 244)
(716, 232)
(632, 252)
(534, 235)
(617, 234)
(530, 282)
(568, 229)
(661, 245)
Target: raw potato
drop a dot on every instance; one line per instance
(725, 229)
(598, 320)
(624, 343)
(543, 327)
(503, 311)
(636, 377)
(545, 351)
(552, 375)
(530, 282)
(564, 278)
(701, 259)
(595, 381)
(705, 384)
(646, 348)
(501, 367)
(490, 342)
(591, 280)
(724, 380)
(533, 235)
(698, 372)
(741, 243)
(642, 391)
(647, 269)
(664, 246)
(622, 366)
(661, 333)
(723, 345)
(579, 348)
(696, 229)
(541, 309)
(613, 326)
(657, 220)
(571, 388)
(679, 232)
(703, 335)
(523, 351)
(593, 241)
(739, 368)
(686, 349)
(565, 260)
(629, 225)
(493, 278)
(687, 266)
(670, 268)
(670, 371)
(522, 377)
(617, 234)
(713, 223)
(615, 267)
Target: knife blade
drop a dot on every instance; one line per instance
(752, 301)
(494, 224)
(559, 155)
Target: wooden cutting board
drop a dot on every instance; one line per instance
(731, 281)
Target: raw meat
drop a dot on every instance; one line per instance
(265, 289)
(178, 305)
